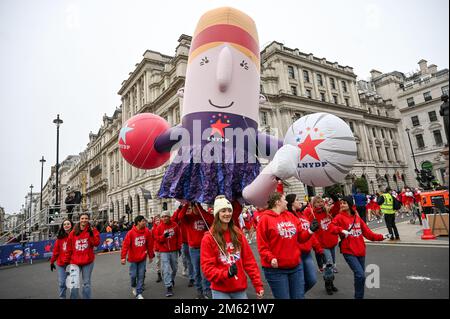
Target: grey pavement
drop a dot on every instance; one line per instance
(419, 272)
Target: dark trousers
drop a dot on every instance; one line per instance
(362, 212)
(390, 224)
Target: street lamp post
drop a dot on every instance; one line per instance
(58, 122)
(42, 160)
(410, 145)
(31, 204)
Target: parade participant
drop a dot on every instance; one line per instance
(408, 200)
(279, 235)
(226, 256)
(188, 268)
(327, 240)
(386, 202)
(373, 209)
(361, 202)
(138, 244)
(353, 230)
(169, 239)
(80, 251)
(297, 209)
(156, 222)
(59, 251)
(197, 222)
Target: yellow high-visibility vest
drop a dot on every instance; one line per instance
(388, 206)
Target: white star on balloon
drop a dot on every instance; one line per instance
(123, 132)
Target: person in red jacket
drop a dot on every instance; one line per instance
(59, 251)
(138, 243)
(156, 222)
(278, 236)
(197, 222)
(352, 229)
(327, 240)
(295, 206)
(169, 239)
(226, 256)
(80, 252)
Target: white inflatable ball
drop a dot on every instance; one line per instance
(327, 148)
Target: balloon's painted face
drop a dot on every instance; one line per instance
(222, 79)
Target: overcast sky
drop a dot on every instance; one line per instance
(70, 57)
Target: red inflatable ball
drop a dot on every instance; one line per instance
(137, 139)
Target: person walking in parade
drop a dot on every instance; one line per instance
(352, 229)
(361, 202)
(295, 206)
(278, 236)
(226, 256)
(386, 202)
(156, 222)
(197, 222)
(80, 251)
(327, 240)
(59, 251)
(169, 239)
(138, 244)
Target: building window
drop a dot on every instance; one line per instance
(308, 94)
(419, 139)
(432, 115)
(437, 137)
(387, 153)
(306, 76)
(261, 89)
(444, 90)
(344, 86)
(335, 99)
(415, 120)
(382, 133)
(333, 83)
(351, 126)
(396, 154)
(390, 134)
(319, 79)
(427, 96)
(322, 96)
(374, 132)
(378, 112)
(291, 72)
(347, 102)
(370, 110)
(263, 117)
(379, 154)
(410, 101)
(294, 90)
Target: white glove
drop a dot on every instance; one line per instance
(346, 233)
(386, 236)
(285, 162)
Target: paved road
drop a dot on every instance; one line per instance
(405, 272)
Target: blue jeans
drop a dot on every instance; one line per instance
(357, 265)
(137, 275)
(228, 295)
(169, 264)
(309, 271)
(86, 272)
(201, 283)
(62, 275)
(286, 283)
(187, 264)
(330, 255)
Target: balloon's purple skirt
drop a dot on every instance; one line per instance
(200, 181)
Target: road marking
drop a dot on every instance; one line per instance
(418, 278)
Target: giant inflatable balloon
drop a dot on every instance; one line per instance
(218, 137)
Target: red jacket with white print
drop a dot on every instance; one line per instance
(324, 236)
(195, 225)
(80, 249)
(171, 243)
(137, 244)
(354, 243)
(305, 219)
(215, 265)
(278, 236)
(59, 251)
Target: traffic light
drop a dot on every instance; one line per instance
(425, 179)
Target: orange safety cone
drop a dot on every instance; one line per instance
(427, 234)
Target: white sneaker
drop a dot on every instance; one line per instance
(184, 273)
(133, 291)
(139, 296)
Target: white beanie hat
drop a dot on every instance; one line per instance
(165, 213)
(221, 202)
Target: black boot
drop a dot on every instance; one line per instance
(159, 277)
(333, 287)
(328, 287)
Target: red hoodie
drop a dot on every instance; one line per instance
(256, 217)
(278, 236)
(171, 243)
(215, 265)
(59, 251)
(305, 220)
(180, 224)
(137, 244)
(354, 243)
(324, 236)
(80, 249)
(155, 242)
(195, 225)
(237, 210)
